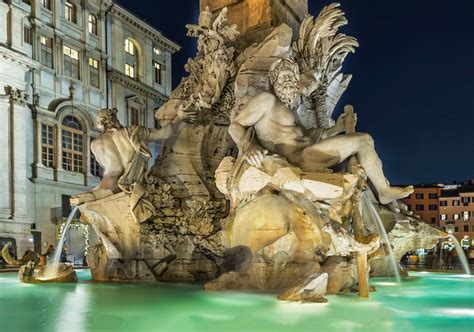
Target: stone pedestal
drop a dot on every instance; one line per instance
(255, 19)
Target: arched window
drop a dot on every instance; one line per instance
(131, 59)
(93, 24)
(70, 12)
(72, 145)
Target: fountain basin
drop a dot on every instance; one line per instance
(425, 302)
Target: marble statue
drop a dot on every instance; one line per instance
(123, 151)
(272, 117)
(243, 194)
(33, 271)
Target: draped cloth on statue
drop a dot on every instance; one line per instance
(133, 180)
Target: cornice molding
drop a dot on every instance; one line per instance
(149, 30)
(118, 77)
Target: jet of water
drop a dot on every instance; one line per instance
(369, 212)
(53, 268)
(461, 255)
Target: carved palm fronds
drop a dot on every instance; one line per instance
(320, 50)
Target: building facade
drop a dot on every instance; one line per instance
(62, 61)
(448, 207)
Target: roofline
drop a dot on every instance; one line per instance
(151, 31)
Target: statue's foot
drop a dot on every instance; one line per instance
(394, 193)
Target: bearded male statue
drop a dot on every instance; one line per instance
(273, 118)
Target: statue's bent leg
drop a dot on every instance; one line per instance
(332, 151)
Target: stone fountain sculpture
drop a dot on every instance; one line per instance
(33, 268)
(244, 194)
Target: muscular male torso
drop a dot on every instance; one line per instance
(277, 129)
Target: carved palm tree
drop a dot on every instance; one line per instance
(320, 51)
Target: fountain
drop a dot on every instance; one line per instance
(240, 198)
(370, 213)
(461, 255)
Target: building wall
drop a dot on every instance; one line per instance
(34, 189)
(454, 207)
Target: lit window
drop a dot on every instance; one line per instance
(156, 50)
(456, 216)
(443, 217)
(46, 56)
(47, 145)
(129, 47)
(92, 24)
(131, 59)
(46, 4)
(71, 62)
(157, 68)
(465, 215)
(72, 145)
(94, 72)
(129, 70)
(456, 203)
(70, 12)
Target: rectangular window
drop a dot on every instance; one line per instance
(466, 199)
(129, 70)
(94, 72)
(129, 47)
(70, 12)
(432, 196)
(71, 62)
(46, 4)
(156, 50)
(443, 203)
(456, 216)
(433, 220)
(46, 57)
(419, 207)
(47, 145)
(72, 151)
(419, 196)
(157, 68)
(466, 228)
(465, 215)
(443, 217)
(433, 207)
(456, 229)
(135, 116)
(27, 35)
(456, 203)
(92, 24)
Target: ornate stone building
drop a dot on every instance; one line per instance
(61, 61)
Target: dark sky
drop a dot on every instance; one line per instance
(413, 78)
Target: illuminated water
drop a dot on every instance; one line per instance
(426, 302)
(369, 213)
(461, 255)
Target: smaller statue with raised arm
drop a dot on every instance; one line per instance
(124, 154)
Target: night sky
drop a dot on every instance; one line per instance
(413, 78)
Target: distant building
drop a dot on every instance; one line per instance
(448, 207)
(62, 61)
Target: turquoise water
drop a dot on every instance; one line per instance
(425, 302)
